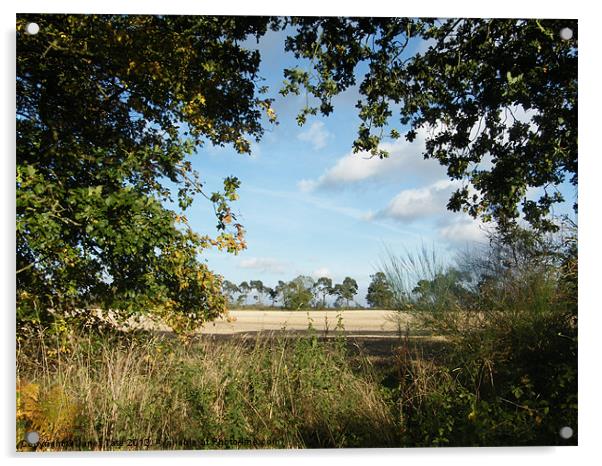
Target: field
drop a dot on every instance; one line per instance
(369, 322)
(491, 365)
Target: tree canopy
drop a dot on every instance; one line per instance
(323, 287)
(108, 110)
(345, 291)
(297, 294)
(495, 99)
(380, 294)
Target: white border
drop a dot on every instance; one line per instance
(589, 212)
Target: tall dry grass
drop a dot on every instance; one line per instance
(504, 374)
(119, 393)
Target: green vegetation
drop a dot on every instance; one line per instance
(109, 110)
(505, 374)
(380, 294)
(495, 364)
(93, 229)
(494, 99)
(509, 315)
(303, 292)
(258, 393)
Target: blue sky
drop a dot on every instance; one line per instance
(310, 206)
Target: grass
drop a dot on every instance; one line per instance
(509, 315)
(92, 392)
(502, 370)
(267, 392)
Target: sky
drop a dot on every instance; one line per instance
(310, 206)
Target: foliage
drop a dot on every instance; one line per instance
(300, 293)
(380, 294)
(53, 414)
(323, 287)
(284, 392)
(272, 294)
(495, 99)
(297, 294)
(260, 289)
(509, 376)
(109, 109)
(243, 289)
(229, 289)
(345, 291)
(266, 393)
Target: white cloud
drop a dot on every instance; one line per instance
(316, 134)
(321, 272)
(411, 204)
(405, 162)
(464, 229)
(263, 264)
(405, 159)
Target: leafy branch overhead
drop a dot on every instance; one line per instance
(109, 109)
(496, 98)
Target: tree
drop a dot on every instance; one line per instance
(298, 293)
(273, 295)
(380, 294)
(323, 287)
(494, 99)
(257, 285)
(229, 289)
(109, 109)
(281, 290)
(345, 291)
(446, 288)
(244, 289)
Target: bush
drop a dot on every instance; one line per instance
(509, 376)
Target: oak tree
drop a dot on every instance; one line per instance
(109, 111)
(495, 100)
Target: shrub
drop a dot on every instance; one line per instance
(509, 376)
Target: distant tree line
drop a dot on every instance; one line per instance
(303, 292)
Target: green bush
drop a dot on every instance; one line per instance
(509, 375)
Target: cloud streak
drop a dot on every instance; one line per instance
(404, 163)
(263, 264)
(327, 205)
(316, 134)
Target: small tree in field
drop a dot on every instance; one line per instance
(380, 294)
(345, 291)
(323, 287)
